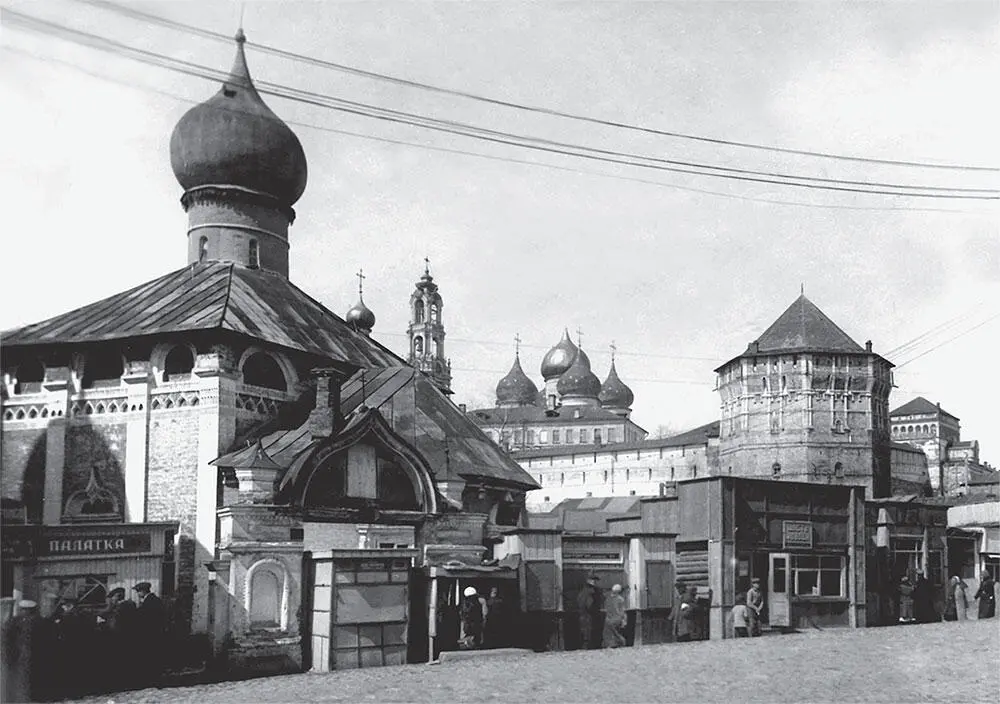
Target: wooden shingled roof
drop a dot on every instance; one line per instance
(419, 413)
(207, 296)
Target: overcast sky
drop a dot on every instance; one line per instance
(681, 280)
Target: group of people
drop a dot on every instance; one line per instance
(485, 620)
(602, 618)
(748, 611)
(79, 649)
(957, 600)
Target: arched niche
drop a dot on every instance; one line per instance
(103, 367)
(267, 593)
(266, 369)
(418, 311)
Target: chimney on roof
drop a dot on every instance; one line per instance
(868, 346)
(325, 417)
(755, 346)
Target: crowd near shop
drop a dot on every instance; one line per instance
(214, 475)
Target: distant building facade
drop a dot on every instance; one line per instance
(573, 407)
(954, 464)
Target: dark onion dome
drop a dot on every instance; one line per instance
(614, 393)
(578, 380)
(360, 316)
(233, 139)
(516, 389)
(560, 358)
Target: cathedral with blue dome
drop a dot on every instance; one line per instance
(573, 406)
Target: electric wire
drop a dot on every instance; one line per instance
(461, 129)
(949, 340)
(493, 157)
(180, 26)
(921, 339)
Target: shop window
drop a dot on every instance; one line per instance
(907, 557)
(178, 364)
(85, 590)
(816, 575)
(30, 375)
(260, 369)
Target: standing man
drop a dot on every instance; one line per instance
(755, 604)
(615, 619)
(118, 621)
(150, 621)
(986, 596)
(590, 604)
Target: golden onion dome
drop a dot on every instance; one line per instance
(560, 358)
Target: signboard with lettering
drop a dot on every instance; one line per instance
(94, 545)
(797, 534)
(592, 553)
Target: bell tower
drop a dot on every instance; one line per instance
(426, 332)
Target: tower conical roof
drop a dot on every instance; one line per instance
(233, 139)
(516, 389)
(804, 327)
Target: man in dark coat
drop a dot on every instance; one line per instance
(987, 596)
(590, 605)
(118, 623)
(685, 621)
(150, 622)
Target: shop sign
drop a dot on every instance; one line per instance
(592, 553)
(96, 545)
(796, 534)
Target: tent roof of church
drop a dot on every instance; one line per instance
(418, 412)
(212, 296)
(803, 327)
(920, 406)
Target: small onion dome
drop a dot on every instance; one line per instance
(614, 393)
(233, 139)
(516, 389)
(560, 358)
(360, 316)
(578, 380)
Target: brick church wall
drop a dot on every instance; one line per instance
(100, 447)
(171, 493)
(23, 476)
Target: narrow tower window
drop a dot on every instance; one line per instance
(202, 249)
(254, 255)
(418, 345)
(418, 312)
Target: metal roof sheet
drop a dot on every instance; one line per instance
(213, 295)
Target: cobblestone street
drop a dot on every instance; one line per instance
(943, 662)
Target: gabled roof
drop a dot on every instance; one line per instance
(803, 328)
(920, 406)
(418, 412)
(212, 296)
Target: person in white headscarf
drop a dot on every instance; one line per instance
(615, 619)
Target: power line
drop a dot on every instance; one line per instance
(462, 129)
(492, 157)
(180, 26)
(950, 339)
(916, 342)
